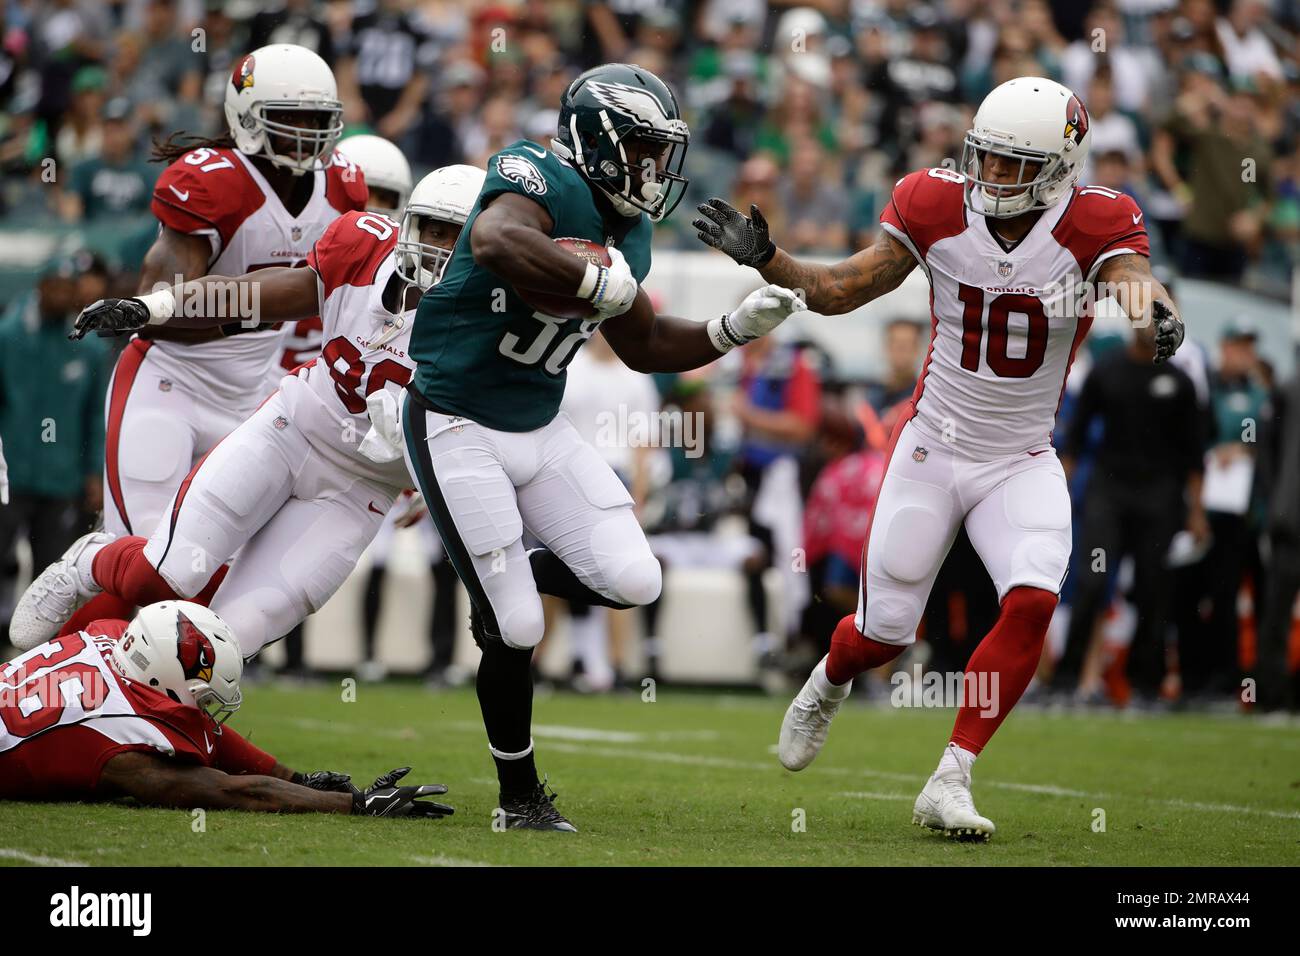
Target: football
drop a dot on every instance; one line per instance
(568, 306)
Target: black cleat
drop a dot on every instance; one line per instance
(534, 810)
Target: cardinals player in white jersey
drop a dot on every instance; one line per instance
(258, 197)
(1010, 245)
(292, 489)
(139, 709)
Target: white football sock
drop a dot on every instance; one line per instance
(956, 758)
(824, 688)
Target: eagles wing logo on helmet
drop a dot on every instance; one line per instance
(241, 77)
(517, 169)
(1076, 120)
(194, 650)
(638, 103)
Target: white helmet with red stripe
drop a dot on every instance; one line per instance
(185, 651)
(268, 85)
(1028, 120)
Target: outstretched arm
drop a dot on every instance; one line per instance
(270, 295)
(160, 782)
(829, 289)
(660, 343)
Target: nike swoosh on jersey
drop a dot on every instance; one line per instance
(206, 742)
(540, 154)
(1138, 218)
(182, 196)
(1035, 454)
(372, 507)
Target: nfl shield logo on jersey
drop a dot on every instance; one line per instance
(920, 453)
(1005, 268)
(296, 233)
(280, 422)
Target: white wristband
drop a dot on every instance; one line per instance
(588, 284)
(161, 305)
(723, 338)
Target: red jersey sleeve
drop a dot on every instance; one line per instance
(206, 191)
(234, 754)
(351, 250)
(925, 206)
(345, 184)
(1100, 224)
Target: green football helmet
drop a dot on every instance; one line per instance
(621, 129)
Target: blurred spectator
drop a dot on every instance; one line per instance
(1279, 481)
(82, 134)
(1147, 463)
(291, 21)
(1238, 399)
(1247, 50)
(440, 671)
(815, 207)
(836, 519)
(115, 183)
(165, 79)
(778, 406)
(1223, 179)
(494, 128)
(383, 69)
(904, 346)
(51, 413)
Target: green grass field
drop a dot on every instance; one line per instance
(691, 779)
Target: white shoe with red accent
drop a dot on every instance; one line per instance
(56, 594)
(946, 803)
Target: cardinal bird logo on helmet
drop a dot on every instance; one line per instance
(1076, 120)
(194, 650)
(241, 77)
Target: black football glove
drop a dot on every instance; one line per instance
(1169, 331)
(745, 240)
(385, 799)
(327, 781)
(111, 317)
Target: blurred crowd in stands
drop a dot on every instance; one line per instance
(810, 110)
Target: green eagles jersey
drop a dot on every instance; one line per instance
(481, 352)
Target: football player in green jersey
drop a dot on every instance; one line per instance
(478, 423)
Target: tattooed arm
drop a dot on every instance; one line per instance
(828, 289)
(843, 286)
(1128, 279)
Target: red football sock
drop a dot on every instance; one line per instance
(853, 652)
(121, 569)
(1003, 664)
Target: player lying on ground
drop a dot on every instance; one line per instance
(479, 423)
(1008, 245)
(139, 710)
(290, 489)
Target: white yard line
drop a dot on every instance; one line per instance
(36, 859)
(876, 795)
(439, 860)
(565, 745)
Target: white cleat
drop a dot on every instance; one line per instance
(945, 804)
(807, 721)
(54, 596)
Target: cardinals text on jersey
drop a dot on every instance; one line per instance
(1002, 335)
